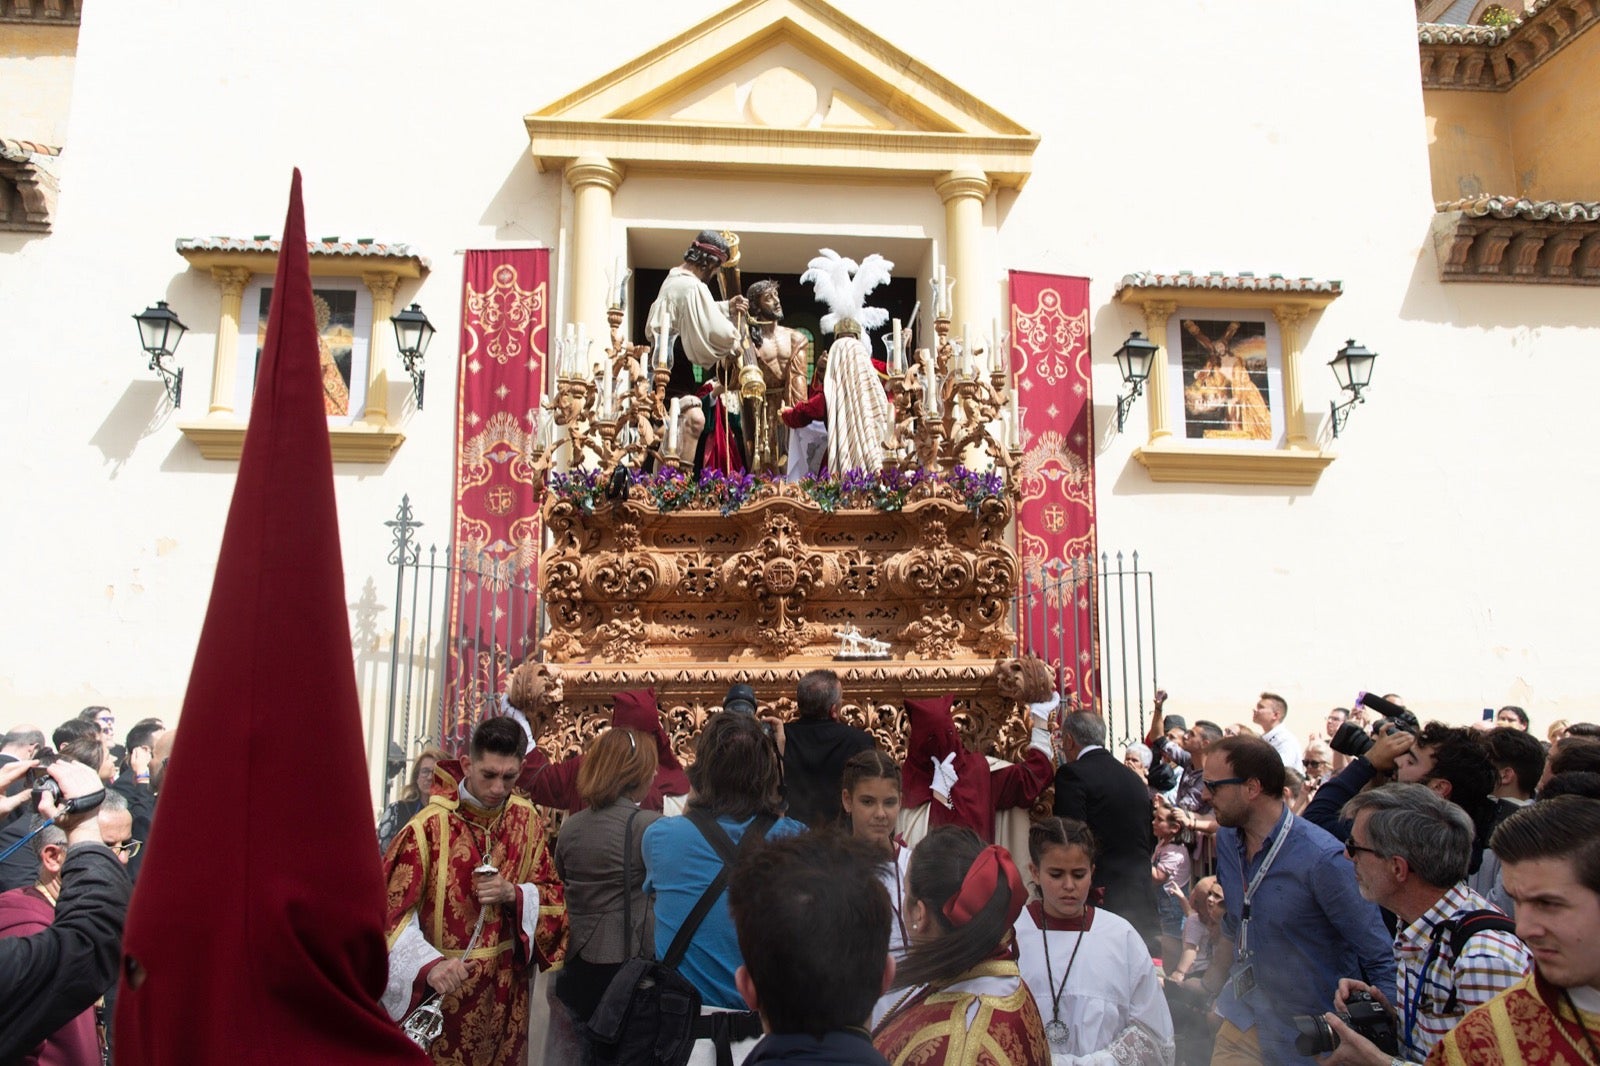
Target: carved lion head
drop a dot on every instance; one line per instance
(1026, 680)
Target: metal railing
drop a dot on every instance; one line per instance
(1094, 622)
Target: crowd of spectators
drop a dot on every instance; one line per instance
(1202, 899)
(75, 813)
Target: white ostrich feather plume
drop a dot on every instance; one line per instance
(843, 285)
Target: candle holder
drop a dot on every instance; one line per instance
(980, 405)
(572, 409)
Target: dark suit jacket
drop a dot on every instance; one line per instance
(1099, 790)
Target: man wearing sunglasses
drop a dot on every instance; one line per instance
(1295, 921)
(1409, 848)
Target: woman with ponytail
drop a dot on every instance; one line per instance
(959, 997)
(1096, 986)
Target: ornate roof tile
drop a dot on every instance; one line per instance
(16, 151)
(1533, 210)
(1217, 280)
(330, 246)
(1493, 58)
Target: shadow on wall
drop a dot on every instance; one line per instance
(1491, 305)
(527, 206)
(141, 410)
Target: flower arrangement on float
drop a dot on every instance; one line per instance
(671, 489)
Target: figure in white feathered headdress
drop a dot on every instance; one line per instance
(852, 400)
(843, 286)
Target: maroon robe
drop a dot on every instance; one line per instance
(979, 792)
(555, 784)
(24, 912)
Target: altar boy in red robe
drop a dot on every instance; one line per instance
(474, 904)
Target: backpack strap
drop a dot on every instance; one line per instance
(627, 885)
(719, 840)
(1458, 929)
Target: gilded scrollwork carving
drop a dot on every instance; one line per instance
(773, 580)
(779, 573)
(859, 572)
(935, 634)
(700, 574)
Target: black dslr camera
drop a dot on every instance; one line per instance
(1362, 1013)
(40, 782)
(1352, 741)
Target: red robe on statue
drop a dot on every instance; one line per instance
(931, 1026)
(432, 912)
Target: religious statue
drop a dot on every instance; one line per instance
(781, 354)
(854, 404)
(703, 330)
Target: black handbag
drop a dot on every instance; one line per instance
(650, 1013)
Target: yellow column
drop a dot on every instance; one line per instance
(1289, 317)
(232, 280)
(963, 193)
(1156, 314)
(382, 286)
(593, 179)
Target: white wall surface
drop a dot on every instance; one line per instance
(1444, 555)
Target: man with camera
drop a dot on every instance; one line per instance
(51, 976)
(1551, 857)
(1295, 920)
(1410, 848)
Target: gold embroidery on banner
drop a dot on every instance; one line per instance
(1049, 340)
(500, 316)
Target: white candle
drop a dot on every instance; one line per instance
(994, 346)
(608, 396)
(895, 363)
(672, 424)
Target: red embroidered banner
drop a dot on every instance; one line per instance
(1055, 521)
(495, 537)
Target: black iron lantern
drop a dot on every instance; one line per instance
(1352, 369)
(412, 332)
(1134, 359)
(159, 334)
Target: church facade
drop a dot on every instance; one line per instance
(1251, 187)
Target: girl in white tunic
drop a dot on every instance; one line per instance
(1091, 974)
(871, 799)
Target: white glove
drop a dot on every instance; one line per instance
(1041, 712)
(944, 777)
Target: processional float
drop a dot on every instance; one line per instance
(655, 577)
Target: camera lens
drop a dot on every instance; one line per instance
(1350, 740)
(1315, 1036)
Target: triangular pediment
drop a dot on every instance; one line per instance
(787, 86)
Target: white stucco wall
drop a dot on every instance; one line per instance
(1443, 555)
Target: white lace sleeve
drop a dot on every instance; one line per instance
(1136, 1045)
(530, 912)
(411, 952)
